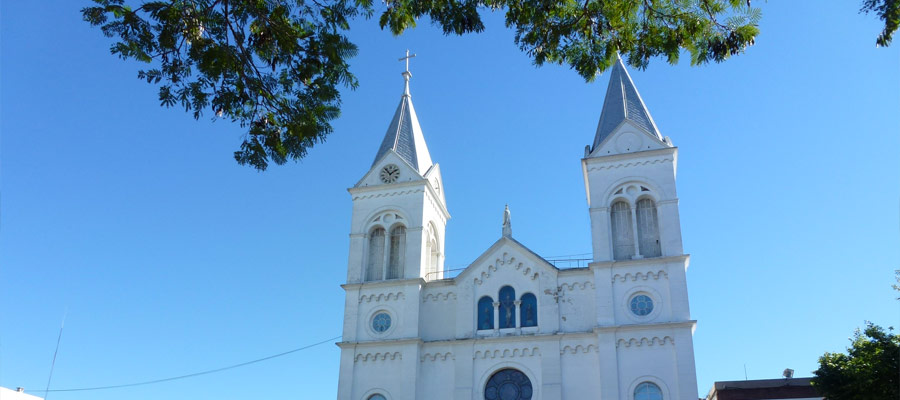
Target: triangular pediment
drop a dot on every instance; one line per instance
(507, 261)
(628, 138)
(406, 172)
(436, 181)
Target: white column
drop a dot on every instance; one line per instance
(496, 317)
(634, 229)
(518, 304)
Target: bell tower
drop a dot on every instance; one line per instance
(399, 208)
(639, 263)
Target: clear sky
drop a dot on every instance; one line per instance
(171, 259)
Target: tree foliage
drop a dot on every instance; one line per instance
(869, 370)
(276, 67)
(889, 12)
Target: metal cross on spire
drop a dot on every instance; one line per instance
(407, 59)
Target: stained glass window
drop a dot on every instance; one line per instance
(647, 391)
(508, 384)
(507, 307)
(381, 322)
(641, 305)
(528, 309)
(485, 313)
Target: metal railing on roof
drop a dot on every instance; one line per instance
(560, 262)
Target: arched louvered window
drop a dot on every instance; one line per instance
(398, 247)
(375, 267)
(485, 313)
(648, 228)
(507, 307)
(647, 391)
(622, 231)
(528, 310)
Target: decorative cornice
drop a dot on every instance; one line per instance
(576, 285)
(378, 356)
(640, 261)
(439, 297)
(387, 194)
(378, 297)
(505, 259)
(383, 283)
(439, 356)
(629, 164)
(648, 341)
(640, 275)
(578, 349)
(507, 353)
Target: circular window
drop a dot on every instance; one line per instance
(508, 384)
(376, 397)
(381, 322)
(641, 305)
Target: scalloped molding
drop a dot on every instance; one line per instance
(506, 260)
(576, 285)
(382, 297)
(629, 164)
(507, 353)
(578, 349)
(378, 356)
(388, 194)
(638, 342)
(437, 356)
(641, 275)
(439, 297)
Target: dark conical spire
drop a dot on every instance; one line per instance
(623, 102)
(404, 135)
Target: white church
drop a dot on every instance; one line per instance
(512, 326)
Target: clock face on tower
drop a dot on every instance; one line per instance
(390, 173)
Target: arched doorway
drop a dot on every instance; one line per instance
(508, 384)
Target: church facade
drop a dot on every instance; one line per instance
(511, 325)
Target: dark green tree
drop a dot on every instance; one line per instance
(889, 12)
(276, 67)
(870, 369)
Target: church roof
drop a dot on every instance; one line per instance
(622, 103)
(404, 135)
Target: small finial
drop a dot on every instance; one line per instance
(406, 74)
(507, 223)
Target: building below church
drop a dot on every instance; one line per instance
(764, 389)
(511, 325)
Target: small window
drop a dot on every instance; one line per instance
(485, 313)
(381, 323)
(647, 391)
(641, 305)
(377, 396)
(507, 307)
(528, 310)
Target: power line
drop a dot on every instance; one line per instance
(211, 371)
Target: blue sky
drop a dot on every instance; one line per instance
(170, 258)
